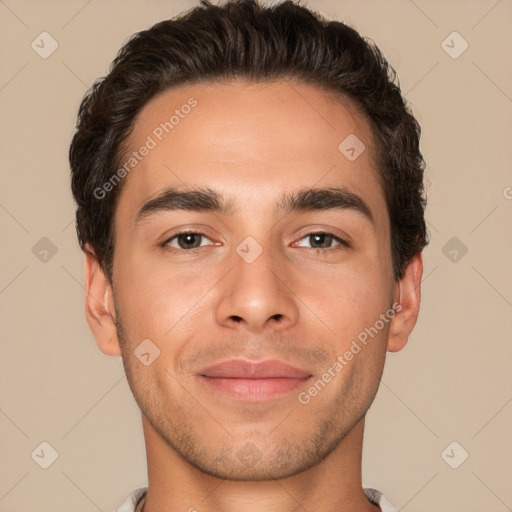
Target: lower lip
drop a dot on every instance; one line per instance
(254, 390)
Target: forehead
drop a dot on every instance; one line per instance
(249, 140)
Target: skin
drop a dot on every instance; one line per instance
(252, 143)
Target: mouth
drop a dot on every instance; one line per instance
(253, 381)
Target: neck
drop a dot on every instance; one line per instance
(333, 485)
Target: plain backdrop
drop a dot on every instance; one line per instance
(451, 384)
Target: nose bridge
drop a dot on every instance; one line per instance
(256, 293)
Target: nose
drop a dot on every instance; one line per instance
(257, 296)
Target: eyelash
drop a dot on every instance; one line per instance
(343, 244)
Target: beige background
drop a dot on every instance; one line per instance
(451, 383)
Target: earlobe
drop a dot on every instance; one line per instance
(408, 296)
(99, 306)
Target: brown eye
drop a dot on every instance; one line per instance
(185, 241)
(321, 240)
(189, 240)
(325, 241)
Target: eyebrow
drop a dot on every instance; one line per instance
(205, 199)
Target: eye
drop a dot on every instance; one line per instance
(190, 241)
(322, 241)
(185, 240)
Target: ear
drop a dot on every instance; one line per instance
(99, 305)
(408, 296)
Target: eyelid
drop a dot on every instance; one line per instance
(185, 232)
(339, 239)
(341, 236)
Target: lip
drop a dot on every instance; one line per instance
(253, 381)
(244, 369)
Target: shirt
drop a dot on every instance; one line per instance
(375, 497)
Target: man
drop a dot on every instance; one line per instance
(250, 202)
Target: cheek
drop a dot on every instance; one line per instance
(156, 294)
(158, 300)
(353, 301)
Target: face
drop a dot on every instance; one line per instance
(279, 252)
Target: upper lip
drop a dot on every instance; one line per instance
(243, 369)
